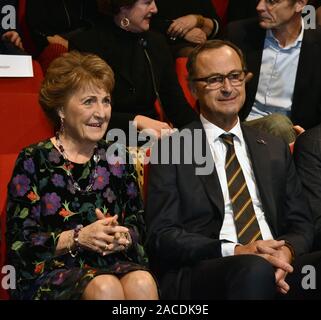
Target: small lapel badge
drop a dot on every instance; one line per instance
(261, 141)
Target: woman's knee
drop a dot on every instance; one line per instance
(139, 284)
(104, 287)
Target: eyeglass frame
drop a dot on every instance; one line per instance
(224, 76)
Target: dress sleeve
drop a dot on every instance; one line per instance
(30, 243)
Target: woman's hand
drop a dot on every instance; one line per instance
(180, 26)
(104, 235)
(196, 35)
(153, 127)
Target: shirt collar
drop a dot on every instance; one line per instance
(270, 36)
(213, 132)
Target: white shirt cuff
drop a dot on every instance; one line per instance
(228, 248)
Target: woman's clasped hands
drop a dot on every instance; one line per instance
(105, 235)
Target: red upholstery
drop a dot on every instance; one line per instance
(221, 9)
(50, 53)
(23, 123)
(182, 79)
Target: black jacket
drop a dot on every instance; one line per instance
(306, 103)
(185, 211)
(133, 93)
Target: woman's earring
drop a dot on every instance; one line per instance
(124, 22)
(62, 127)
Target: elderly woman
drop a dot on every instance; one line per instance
(75, 222)
(143, 67)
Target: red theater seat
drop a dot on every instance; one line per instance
(181, 72)
(23, 123)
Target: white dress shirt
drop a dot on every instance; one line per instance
(218, 150)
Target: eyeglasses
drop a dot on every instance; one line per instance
(216, 81)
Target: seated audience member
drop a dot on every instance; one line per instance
(284, 58)
(74, 218)
(10, 43)
(55, 21)
(143, 67)
(240, 230)
(186, 23)
(307, 157)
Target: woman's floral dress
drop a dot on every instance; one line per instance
(42, 203)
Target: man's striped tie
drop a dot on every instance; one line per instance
(247, 226)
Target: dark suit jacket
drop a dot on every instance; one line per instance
(307, 156)
(185, 212)
(133, 93)
(306, 104)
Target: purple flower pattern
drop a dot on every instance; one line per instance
(58, 180)
(102, 178)
(29, 166)
(20, 185)
(51, 203)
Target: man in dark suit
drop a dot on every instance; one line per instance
(307, 157)
(284, 58)
(230, 226)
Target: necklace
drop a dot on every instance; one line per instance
(68, 167)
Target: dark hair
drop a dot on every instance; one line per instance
(113, 7)
(68, 74)
(208, 45)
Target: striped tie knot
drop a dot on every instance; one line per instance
(228, 138)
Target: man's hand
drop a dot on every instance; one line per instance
(284, 254)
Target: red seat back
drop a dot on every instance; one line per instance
(182, 74)
(23, 123)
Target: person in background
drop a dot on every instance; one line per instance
(55, 21)
(143, 67)
(284, 59)
(75, 224)
(307, 157)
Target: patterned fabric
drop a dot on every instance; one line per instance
(247, 226)
(42, 203)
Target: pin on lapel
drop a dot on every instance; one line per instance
(261, 141)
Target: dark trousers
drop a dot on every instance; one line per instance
(305, 281)
(241, 277)
(250, 277)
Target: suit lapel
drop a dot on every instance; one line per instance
(259, 155)
(210, 181)
(310, 51)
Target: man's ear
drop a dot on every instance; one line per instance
(248, 77)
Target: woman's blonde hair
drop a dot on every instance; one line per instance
(69, 73)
